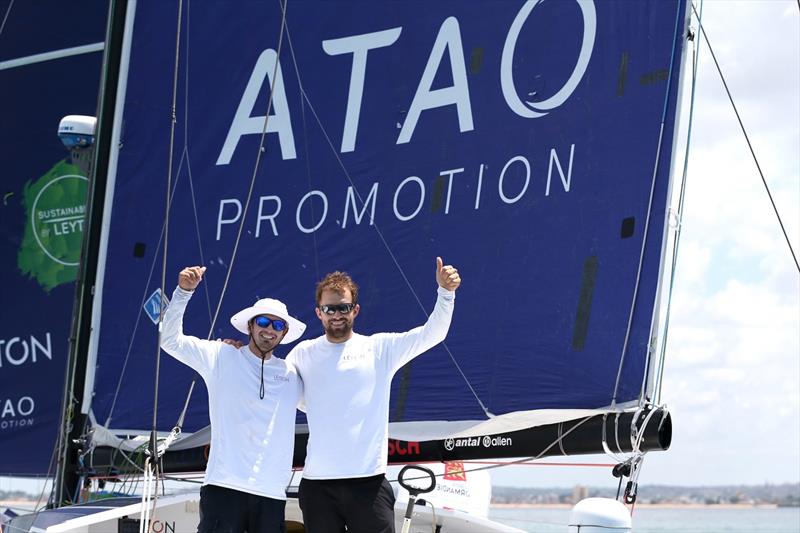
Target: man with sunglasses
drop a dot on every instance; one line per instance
(347, 379)
(252, 402)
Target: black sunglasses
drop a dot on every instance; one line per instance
(332, 309)
(263, 322)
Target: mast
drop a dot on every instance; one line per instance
(73, 422)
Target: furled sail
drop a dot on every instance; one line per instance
(528, 143)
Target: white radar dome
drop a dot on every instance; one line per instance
(77, 131)
(599, 515)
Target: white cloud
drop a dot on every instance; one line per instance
(732, 376)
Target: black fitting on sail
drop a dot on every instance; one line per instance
(622, 469)
(630, 492)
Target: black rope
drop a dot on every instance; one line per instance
(153, 434)
(749, 145)
(261, 389)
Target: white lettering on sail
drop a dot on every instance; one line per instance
(15, 423)
(450, 174)
(532, 109)
(359, 46)
(449, 38)
(270, 217)
(18, 351)
(421, 198)
(220, 220)
(478, 188)
(279, 122)
(24, 406)
(300, 204)
(565, 180)
(513, 181)
(500, 190)
(351, 200)
(476, 442)
(448, 41)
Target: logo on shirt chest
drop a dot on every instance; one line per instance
(349, 357)
(357, 356)
(280, 378)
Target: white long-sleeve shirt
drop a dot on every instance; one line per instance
(347, 388)
(252, 439)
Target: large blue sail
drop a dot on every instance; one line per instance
(50, 63)
(527, 143)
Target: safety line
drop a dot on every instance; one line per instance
(752, 151)
(649, 212)
(679, 215)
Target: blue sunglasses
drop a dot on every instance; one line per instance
(263, 322)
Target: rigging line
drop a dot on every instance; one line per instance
(66, 423)
(308, 162)
(161, 235)
(50, 468)
(173, 119)
(37, 508)
(375, 225)
(186, 148)
(306, 148)
(141, 305)
(247, 201)
(649, 212)
(197, 228)
(186, 151)
(8, 12)
(679, 216)
(750, 146)
(255, 167)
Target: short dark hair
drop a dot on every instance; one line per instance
(337, 282)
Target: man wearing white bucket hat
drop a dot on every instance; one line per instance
(252, 400)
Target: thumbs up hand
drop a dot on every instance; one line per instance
(189, 278)
(447, 275)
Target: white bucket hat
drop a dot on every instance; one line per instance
(269, 306)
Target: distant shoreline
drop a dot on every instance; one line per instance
(29, 504)
(642, 505)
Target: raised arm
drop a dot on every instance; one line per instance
(199, 354)
(403, 347)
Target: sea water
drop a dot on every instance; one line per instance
(665, 520)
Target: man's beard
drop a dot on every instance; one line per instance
(341, 331)
(264, 346)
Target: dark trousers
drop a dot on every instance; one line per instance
(363, 505)
(232, 511)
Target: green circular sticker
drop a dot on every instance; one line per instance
(57, 218)
(55, 205)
